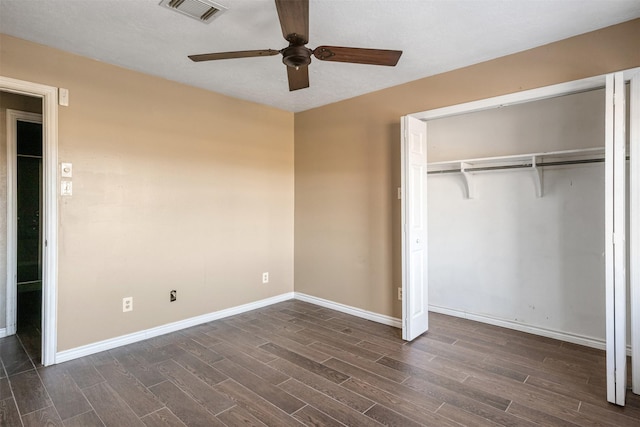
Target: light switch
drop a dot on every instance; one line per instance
(63, 97)
(66, 170)
(66, 188)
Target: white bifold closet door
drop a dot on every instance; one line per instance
(634, 224)
(415, 309)
(615, 241)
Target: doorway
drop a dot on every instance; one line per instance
(24, 219)
(45, 99)
(29, 178)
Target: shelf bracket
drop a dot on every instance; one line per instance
(537, 176)
(467, 179)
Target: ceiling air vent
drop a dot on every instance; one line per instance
(202, 10)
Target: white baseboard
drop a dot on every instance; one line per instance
(86, 350)
(549, 333)
(354, 311)
(3, 332)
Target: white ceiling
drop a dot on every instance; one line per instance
(435, 35)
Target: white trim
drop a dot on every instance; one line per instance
(631, 73)
(13, 116)
(404, 178)
(634, 231)
(50, 227)
(615, 238)
(49, 95)
(545, 92)
(561, 89)
(3, 332)
(354, 311)
(620, 233)
(108, 344)
(10, 283)
(608, 242)
(522, 327)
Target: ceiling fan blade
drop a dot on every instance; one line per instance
(294, 20)
(298, 78)
(231, 55)
(358, 55)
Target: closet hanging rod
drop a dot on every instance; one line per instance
(520, 166)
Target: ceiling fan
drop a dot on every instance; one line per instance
(294, 20)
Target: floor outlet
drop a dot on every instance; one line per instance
(265, 277)
(127, 304)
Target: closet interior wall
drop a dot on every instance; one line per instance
(506, 255)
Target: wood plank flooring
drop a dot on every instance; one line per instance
(295, 363)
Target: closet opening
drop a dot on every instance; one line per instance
(516, 212)
(528, 228)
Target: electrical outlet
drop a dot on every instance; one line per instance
(173, 295)
(265, 277)
(400, 293)
(127, 304)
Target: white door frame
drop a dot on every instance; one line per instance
(13, 116)
(634, 227)
(634, 183)
(49, 95)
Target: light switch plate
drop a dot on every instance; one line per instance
(66, 188)
(66, 170)
(63, 97)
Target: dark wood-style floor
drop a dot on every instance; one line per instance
(295, 363)
(29, 318)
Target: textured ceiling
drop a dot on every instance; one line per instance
(435, 35)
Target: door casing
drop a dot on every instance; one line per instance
(49, 96)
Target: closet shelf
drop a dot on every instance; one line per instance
(531, 163)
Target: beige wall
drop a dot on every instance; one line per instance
(21, 103)
(173, 188)
(347, 218)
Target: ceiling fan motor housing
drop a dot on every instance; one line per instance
(296, 56)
